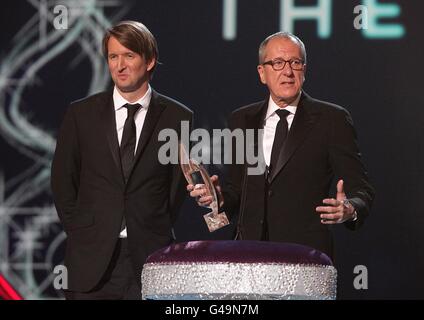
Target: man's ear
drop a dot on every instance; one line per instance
(151, 64)
(304, 73)
(261, 73)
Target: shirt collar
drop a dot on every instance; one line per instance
(272, 106)
(119, 101)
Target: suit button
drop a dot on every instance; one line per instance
(270, 193)
(261, 222)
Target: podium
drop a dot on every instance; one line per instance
(238, 270)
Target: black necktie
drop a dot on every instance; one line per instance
(279, 137)
(128, 141)
(127, 147)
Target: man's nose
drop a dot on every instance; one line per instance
(121, 63)
(287, 70)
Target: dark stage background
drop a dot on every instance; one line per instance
(209, 65)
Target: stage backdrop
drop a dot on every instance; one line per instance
(364, 55)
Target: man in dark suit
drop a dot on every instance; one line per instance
(115, 199)
(306, 143)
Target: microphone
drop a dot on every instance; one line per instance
(239, 234)
(265, 231)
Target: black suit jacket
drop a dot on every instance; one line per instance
(91, 197)
(321, 146)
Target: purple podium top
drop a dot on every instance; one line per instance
(239, 252)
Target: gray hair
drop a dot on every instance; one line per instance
(284, 35)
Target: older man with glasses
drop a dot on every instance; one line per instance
(307, 144)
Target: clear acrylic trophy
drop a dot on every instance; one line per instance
(196, 174)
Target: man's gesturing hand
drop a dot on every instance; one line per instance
(336, 210)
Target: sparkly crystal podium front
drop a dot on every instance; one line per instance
(238, 270)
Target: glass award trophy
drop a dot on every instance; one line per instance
(196, 174)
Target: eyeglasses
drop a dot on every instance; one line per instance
(279, 64)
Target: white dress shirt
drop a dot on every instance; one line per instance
(121, 114)
(270, 125)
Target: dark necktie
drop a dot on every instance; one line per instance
(128, 141)
(127, 147)
(279, 137)
(277, 146)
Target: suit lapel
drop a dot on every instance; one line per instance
(254, 120)
(109, 122)
(152, 117)
(304, 120)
